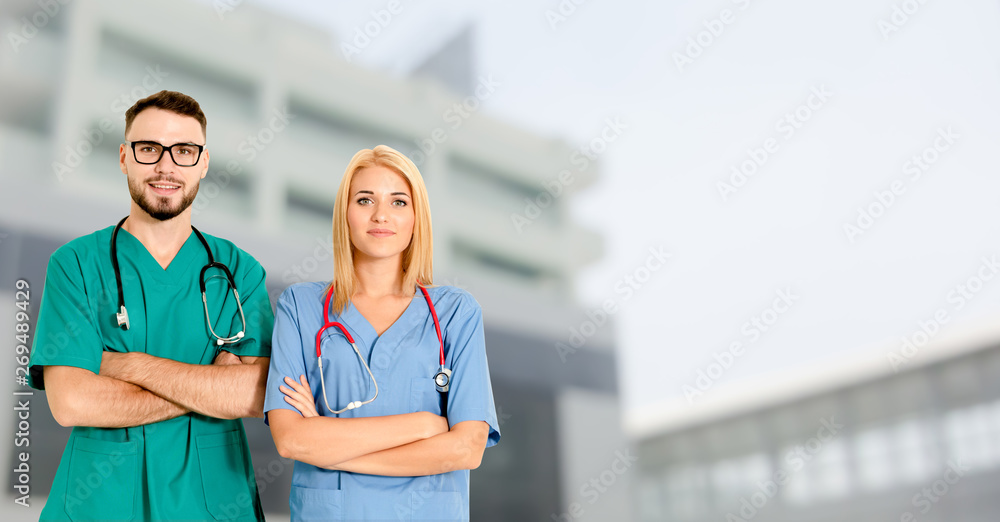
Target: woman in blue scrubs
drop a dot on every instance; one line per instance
(405, 455)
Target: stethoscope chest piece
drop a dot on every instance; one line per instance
(442, 379)
(122, 318)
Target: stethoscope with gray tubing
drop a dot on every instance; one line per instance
(442, 379)
(122, 315)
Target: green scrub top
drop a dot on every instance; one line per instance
(190, 467)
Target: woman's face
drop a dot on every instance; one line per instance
(379, 213)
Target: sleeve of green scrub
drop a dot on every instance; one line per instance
(288, 359)
(66, 332)
(257, 311)
(470, 395)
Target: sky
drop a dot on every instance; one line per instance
(865, 132)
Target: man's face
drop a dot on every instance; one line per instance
(163, 190)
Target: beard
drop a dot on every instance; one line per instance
(157, 206)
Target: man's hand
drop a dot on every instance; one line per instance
(226, 359)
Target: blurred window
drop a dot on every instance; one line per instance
(687, 491)
(917, 455)
(502, 193)
(727, 481)
(873, 459)
(828, 473)
(971, 436)
(651, 498)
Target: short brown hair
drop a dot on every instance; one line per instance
(172, 101)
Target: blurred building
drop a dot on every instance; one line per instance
(909, 434)
(286, 112)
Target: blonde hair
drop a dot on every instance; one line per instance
(418, 258)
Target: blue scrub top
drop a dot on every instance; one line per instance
(404, 360)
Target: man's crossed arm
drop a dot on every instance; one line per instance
(135, 388)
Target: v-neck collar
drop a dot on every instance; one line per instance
(172, 274)
(364, 329)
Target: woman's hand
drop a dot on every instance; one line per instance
(300, 396)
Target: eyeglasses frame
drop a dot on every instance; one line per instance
(163, 148)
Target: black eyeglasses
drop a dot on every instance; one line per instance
(150, 152)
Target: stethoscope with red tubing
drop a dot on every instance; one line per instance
(442, 379)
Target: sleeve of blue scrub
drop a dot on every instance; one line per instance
(470, 396)
(287, 359)
(257, 311)
(66, 333)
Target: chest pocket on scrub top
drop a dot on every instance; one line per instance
(425, 397)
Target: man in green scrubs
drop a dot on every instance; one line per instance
(155, 407)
